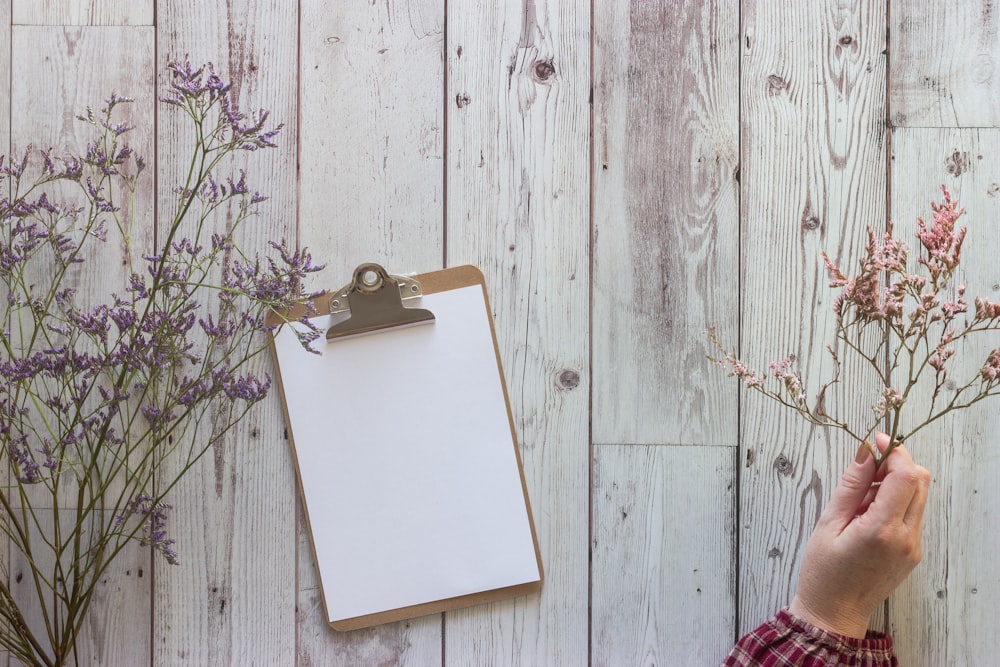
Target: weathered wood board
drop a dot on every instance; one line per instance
(812, 179)
(83, 12)
(232, 601)
(944, 64)
(371, 190)
(665, 207)
(659, 545)
(70, 61)
(626, 175)
(517, 197)
(957, 579)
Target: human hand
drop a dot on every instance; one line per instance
(865, 543)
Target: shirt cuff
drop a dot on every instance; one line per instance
(873, 643)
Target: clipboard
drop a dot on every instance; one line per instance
(405, 449)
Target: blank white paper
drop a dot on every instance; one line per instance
(406, 461)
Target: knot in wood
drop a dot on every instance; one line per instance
(569, 379)
(846, 40)
(958, 163)
(810, 223)
(783, 465)
(462, 100)
(775, 84)
(543, 70)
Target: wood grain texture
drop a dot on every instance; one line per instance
(116, 629)
(5, 80)
(372, 135)
(666, 163)
(83, 12)
(931, 615)
(813, 177)
(664, 520)
(81, 68)
(729, 144)
(517, 208)
(945, 64)
(232, 599)
(372, 189)
(5, 91)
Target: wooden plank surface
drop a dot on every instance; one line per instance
(83, 12)
(812, 178)
(5, 79)
(727, 145)
(517, 120)
(945, 60)
(81, 68)
(660, 543)
(5, 91)
(232, 601)
(666, 163)
(372, 189)
(957, 580)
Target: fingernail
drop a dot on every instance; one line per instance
(863, 451)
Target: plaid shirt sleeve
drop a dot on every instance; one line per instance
(786, 640)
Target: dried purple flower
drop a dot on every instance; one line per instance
(98, 394)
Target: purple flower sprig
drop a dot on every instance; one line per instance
(903, 320)
(107, 400)
(153, 522)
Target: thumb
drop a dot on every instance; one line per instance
(852, 488)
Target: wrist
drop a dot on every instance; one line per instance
(840, 621)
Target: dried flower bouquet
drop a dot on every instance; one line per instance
(903, 320)
(104, 406)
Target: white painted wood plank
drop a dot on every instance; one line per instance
(5, 80)
(518, 191)
(372, 189)
(813, 177)
(83, 12)
(666, 163)
(663, 547)
(940, 614)
(5, 91)
(945, 62)
(116, 629)
(232, 599)
(373, 135)
(82, 67)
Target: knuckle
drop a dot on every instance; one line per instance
(915, 476)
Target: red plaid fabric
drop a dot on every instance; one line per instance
(787, 641)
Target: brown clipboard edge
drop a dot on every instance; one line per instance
(436, 281)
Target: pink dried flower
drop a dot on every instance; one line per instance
(891, 399)
(950, 309)
(740, 370)
(837, 278)
(940, 239)
(987, 310)
(900, 317)
(780, 368)
(991, 371)
(864, 292)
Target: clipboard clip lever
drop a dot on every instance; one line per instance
(375, 300)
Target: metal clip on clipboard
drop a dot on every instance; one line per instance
(375, 301)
